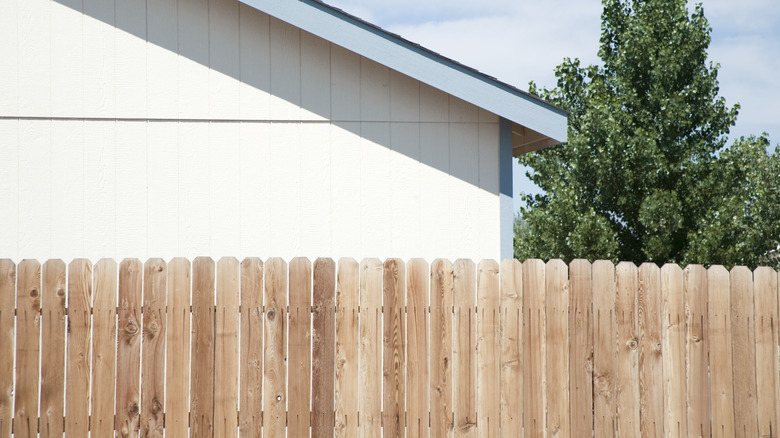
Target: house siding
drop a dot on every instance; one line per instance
(143, 129)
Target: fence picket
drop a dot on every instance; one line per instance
(53, 348)
(441, 349)
(604, 349)
(511, 383)
(177, 365)
(128, 354)
(651, 383)
(557, 348)
(28, 332)
(251, 397)
(226, 349)
(202, 383)
(488, 350)
(299, 358)
(153, 345)
(7, 320)
(347, 338)
(394, 285)
(673, 317)
(323, 348)
(464, 373)
(767, 365)
(534, 348)
(417, 290)
(628, 350)
(721, 368)
(743, 350)
(581, 347)
(275, 348)
(697, 350)
(79, 341)
(103, 347)
(370, 378)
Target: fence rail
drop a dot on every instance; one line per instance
(387, 348)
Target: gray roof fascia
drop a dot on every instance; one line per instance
(419, 63)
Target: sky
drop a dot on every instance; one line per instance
(518, 41)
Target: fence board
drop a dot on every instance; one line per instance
(511, 332)
(488, 350)
(464, 379)
(202, 383)
(743, 352)
(394, 396)
(697, 350)
(673, 316)
(767, 370)
(226, 349)
(581, 347)
(417, 290)
(153, 345)
(534, 349)
(177, 366)
(251, 372)
(300, 347)
(721, 369)
(627, 387)
(370, 379)
(275, 348)
(53, 321)
(103, 347)
(323, 348)
(604, 350)
(128, 354)
(28, 332)
(7, 320)
(441, 349)
(651, 389)
(347, 338)
(79, 341)
(557, 348)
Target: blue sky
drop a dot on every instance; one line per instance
(522, 40)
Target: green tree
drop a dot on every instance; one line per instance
(644, 176)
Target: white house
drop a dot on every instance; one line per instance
(162, 128)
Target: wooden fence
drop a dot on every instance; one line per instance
(243, 349)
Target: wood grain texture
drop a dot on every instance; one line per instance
(721, 368)
(604, 350)
(441, 349)
(275, 348)
(251, 397)
(767, 364)
(651, 377)
(511, 333)
(298, 418)
(673, 326)
(347, 339)
(743, 350)
(104, 347)
(28, 333)
(534, 348)
(394, 347)
(53, 328)
(464, 372)
(226, 357)
(488, 350)
(627, 349)
(697, 350)
(581, 347)
(128, 354)
(323, 348)
(417, 374)
(202, 378)
(370, 375)
(177, 365)
(7, 320)
(557, 349)
(78, 374)
(153, 346)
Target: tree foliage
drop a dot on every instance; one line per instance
(645, 175)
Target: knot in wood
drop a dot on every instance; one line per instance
(271, 315)
(34, 292)
(632, 344)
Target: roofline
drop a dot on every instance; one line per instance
(420, 63)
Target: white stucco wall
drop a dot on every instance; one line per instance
(141, 129)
